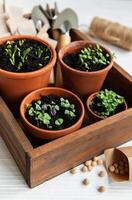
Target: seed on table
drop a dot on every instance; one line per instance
(115, 165)
(86, 181)
(73, 171)
(101, 173)
(90, 168)
(95, 159)
(94, 163)
(84, 169)
(101, 189)
(111, 168)
(88, 162)
(99, 162)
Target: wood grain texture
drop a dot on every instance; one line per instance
(41, 163)
(62, 154)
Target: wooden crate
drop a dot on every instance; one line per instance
(40, 161)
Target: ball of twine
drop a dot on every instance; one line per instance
(112, 32)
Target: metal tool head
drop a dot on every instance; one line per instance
(66, 20)
(51, 13)
(39, 18)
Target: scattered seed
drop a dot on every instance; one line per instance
(84, 169)
(73, 171)
(111, 168)
(86, 181)
(90, 168)
(88, 162)
(99, 162)
(121, 167)
(95, 159)
(101, 173)
(101, 189)
(94, 163)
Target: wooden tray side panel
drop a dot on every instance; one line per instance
(67, 152)
(14, 137)
(121, 82)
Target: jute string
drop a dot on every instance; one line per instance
(114, 33)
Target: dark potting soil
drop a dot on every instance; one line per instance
(67, 122)
(97, 110)
(32, 61)
(73, 61)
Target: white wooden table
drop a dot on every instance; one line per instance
(66, 186)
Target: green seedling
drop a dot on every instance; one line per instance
(59, 122)
(51, 113)
(92, 57)
(106, 103)
(20, 54)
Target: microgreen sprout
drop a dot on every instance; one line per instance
(24, 55)
(93, 57)
(59, 121)
(69, 108)
(39, 52)
(46, 57)
(21, 42)
(65, 103)
(106, 103)
(50, 114)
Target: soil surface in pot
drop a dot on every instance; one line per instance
(92, 60)
(23, 55)
(52, 113)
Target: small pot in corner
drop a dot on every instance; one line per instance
(44, 133)
(83, 83)
(92, 115)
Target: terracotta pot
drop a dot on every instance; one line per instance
(51, 134)
(14, 86)
(82, 83)
(93, 116)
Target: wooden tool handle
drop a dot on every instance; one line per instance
(55, 34)
(63, 40)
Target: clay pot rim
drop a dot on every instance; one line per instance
(90, 98)
(82, 43)
(25, 75)
(42, 90)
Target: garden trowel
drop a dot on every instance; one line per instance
(39, 18)
(66, 20)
